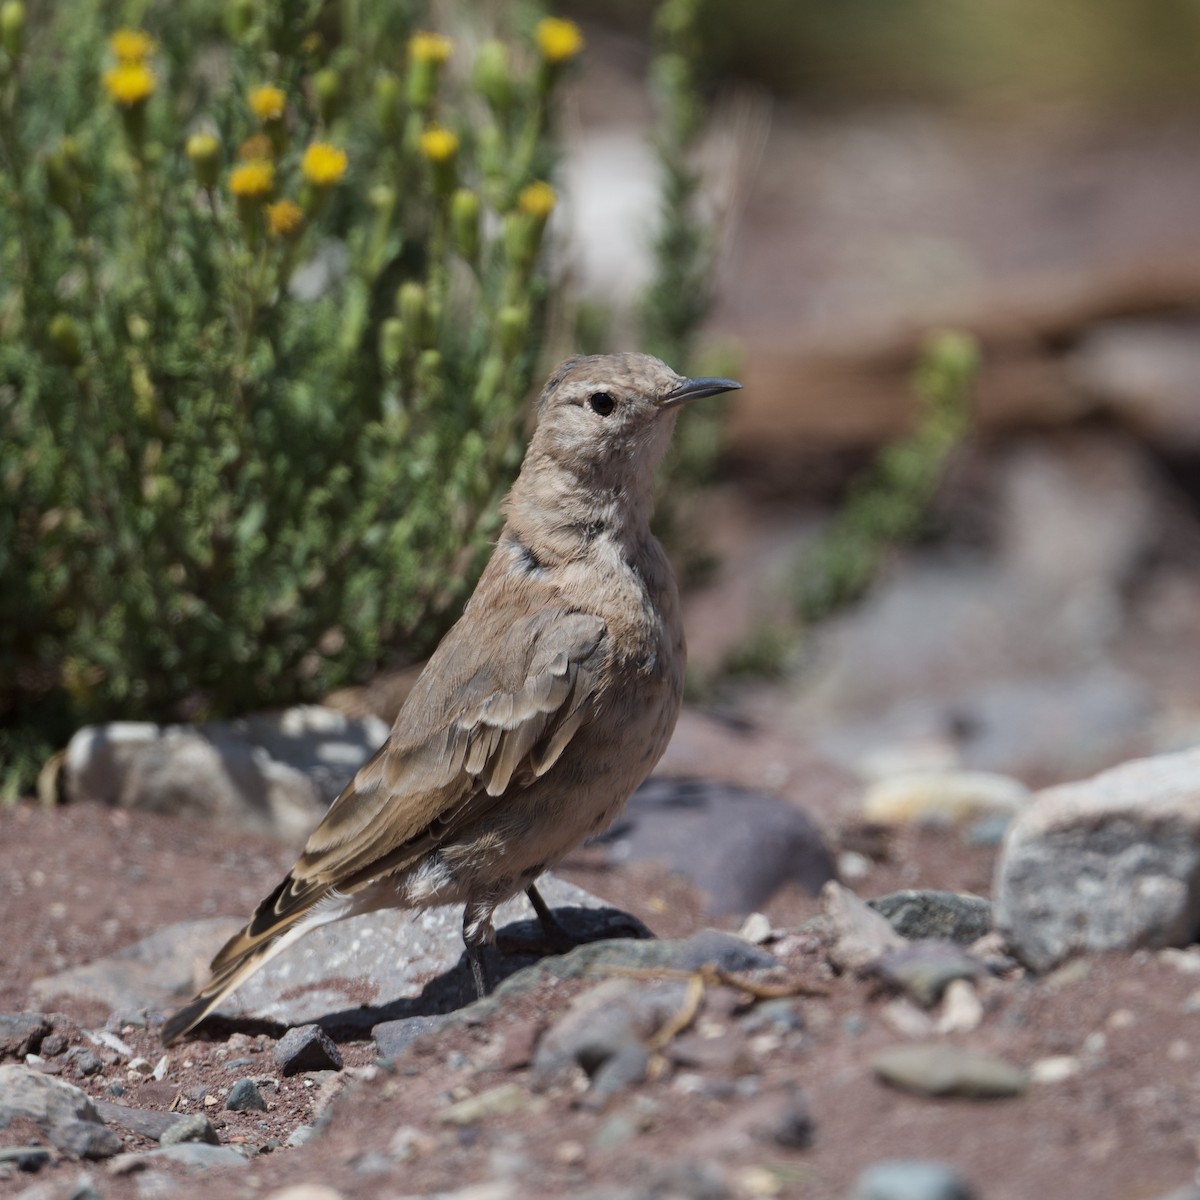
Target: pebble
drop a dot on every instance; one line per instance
(939, 1069)
(244, 1095)
(923, 970)
(1054, 1068)
(306, 1048)
(791, 1125)
(962, 1010)
(300, 1135)
(858, 934)
(197, 1155)
(194, 1128)
(21, 1033)
(306, 1191)
(928, 913)
(497, 1101)
(911, 1179)
(86, 1139)
(756, 929)
(946, 796)
(86, 1063)
(393, 1038)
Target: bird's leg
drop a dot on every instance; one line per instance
(478, 933)
(554, 931)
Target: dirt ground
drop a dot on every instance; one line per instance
(82, 881)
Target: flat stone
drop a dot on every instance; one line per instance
(244, 1096)
(738, 846)
(85, 1139)
(941, 1069)
(197, 1156)
(21, 1033)
(924, 969)
(498, 1101)
(404, 963)
(858, 935)
(306, 1048)
(911, 1179)
(51, 1103)
(147, 1122)
(393, 1038)
(952, 916)
(917, 797)
(194, 1128)
(1111, 863)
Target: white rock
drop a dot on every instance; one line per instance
(947, 796)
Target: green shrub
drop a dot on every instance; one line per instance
(270, 303)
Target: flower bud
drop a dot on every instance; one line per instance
(387, 103)
(12, 27)
(392, 336)
(429, 374)
(65, 338)
(204, 153)
(512, 322)
(464, 223)
(327, 87)
(411, 306)
(492, 77)
(239, 18)
(62, 174)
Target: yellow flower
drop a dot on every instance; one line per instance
(131, 45)
(537, 200)
(323, 165)
(130, 83)
(429, 48)
(557, 39)
(253, 180)
(438, 145)
(267, 102)
(284, 219)
(258, 145)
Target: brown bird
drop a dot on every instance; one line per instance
(542, 709)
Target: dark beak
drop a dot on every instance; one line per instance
(696, 389)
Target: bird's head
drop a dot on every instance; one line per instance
(609, 417)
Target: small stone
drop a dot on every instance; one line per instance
(952, 916)
(497, 1101)
(962, 1010)
(946, 796)
(244, 1095)
(194, 1128)
(858, 934)
(147, 1122)
(306, 1191)
(140, 1066)
(85, 1139)
(792, 1124)
(53, 1045)
(306, 1048)
(300, 1135)
(86, 1063)
(21, 1033)
(939, 1069)
(393, 1038)
(911, 1179)
(924, 969)
(1055, 1068)
(756, 929)
(198, 1156)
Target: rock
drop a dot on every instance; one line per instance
(1146, 372)
(605, 1031)
(498, 1101)
(149, 1123)
(789, 1123)
(924, 969)
(194, 1128)
(197, 1156)
(738, 846)
(941, 796)
(952, 916)
(393, 1038)
(940, 1069)
(51, 1103)
(858, 935)
(21, 1033)
(272, 773)
(244, 1096)
(1054, 1068)
(306, 1048)
(86, 1062)
(911, 1179)
(82, 1187)
(85, 1139)
(403, 963)
(962, 1010)
(306, 1191)
(1107, 864)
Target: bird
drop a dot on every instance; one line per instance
(539, 713)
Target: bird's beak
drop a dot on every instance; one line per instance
(696, 389)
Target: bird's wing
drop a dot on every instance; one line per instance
(488, 714)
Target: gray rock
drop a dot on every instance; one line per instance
(953, 916)
(738, 846)
(86, 1062)
(405, 963)
(272, 773)
(942, 1069)
(85, 1139)
(393, 1038)
(197, 1156)
(21, 1033)
(858, 935)
(52, 1103)
(605, 1031)
(911, 1179)
(82, 1187)
(144, 1121)
(924, 969)
(790, 1124)
(306, 1048)
(244, 1095)
(194, 1128)
(1108, 864)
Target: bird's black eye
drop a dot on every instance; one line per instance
(601, 403)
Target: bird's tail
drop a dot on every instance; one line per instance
(270, 930)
